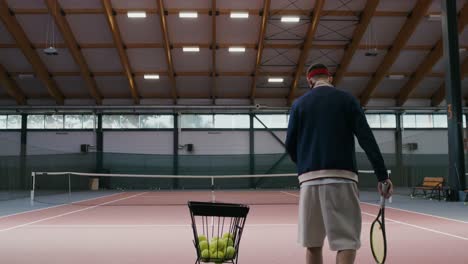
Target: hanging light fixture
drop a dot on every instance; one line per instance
(50, 49)
(371, 43)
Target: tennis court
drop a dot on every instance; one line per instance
(109, 230)
(131, 131)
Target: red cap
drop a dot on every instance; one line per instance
(321, 71)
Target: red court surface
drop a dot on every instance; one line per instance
(162, 234)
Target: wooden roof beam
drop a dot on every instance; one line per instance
(167, 49)
(221, 46)
(10, 85)
(419, 11)
(213, 50)
(221, 74)
(72, 45)
(205, 11)
(365, 19)
(29, 52)
(439, 95)
(118, 43)
(428, 63)
(314, 22)
(261, 42)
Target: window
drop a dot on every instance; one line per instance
(440, 121)
(53, 121)
(3, 121)
(132, 121)
(373, 120)
(409, 121)
(388, 120)
(111, 121)
(231, 121)
(73, 122)
(165, 121)
(272, 121)
(197, 121)
(14, 122)
(36, 122)
(424, 121)
(89, 121)
(129, 121)
(156, 121)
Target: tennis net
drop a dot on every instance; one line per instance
(95, 189)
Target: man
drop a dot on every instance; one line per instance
(320, 141)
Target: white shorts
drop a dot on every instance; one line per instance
(330, 210)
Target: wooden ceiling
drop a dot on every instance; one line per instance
(103, 55)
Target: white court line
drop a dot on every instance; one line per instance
(403, 210)
(55, 206)
(68, 213)
(292, 194)
(411, 225)
(430, 215)
(422, 228)
(157, 226)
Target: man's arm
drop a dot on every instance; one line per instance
(291, 137)
(367, 140)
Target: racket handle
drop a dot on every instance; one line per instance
(384, 190)
(382, 200)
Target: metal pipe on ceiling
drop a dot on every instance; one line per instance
(252, 108)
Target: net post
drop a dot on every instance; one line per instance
(213, 200)
(33, 176)
(390, 198)
(213, 197)
(69, 187)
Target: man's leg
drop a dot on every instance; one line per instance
(311, 229)
(345, 256)
(342, 220)
(314, 255)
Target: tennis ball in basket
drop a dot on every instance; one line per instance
(230, 252)
(221, 244)
(214, 240)
(215, 246)
(228, 235)
(202, 238)
(205, 254)
(217, 255)
(229, 242)
(203, 245)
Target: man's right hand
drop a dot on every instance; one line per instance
(389, 191)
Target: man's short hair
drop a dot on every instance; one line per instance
(317, 71)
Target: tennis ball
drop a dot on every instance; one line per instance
(228, 235)
(230, 252)
(221, 244)
(202, 238)
(214, 245)
(217, 245)
(217, 255)
(203, 245)
(229, 242)
(205, 254)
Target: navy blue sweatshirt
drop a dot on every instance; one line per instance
(322, 126)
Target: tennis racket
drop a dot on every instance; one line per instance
(378, 237)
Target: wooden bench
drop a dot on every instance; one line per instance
(434, 185)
